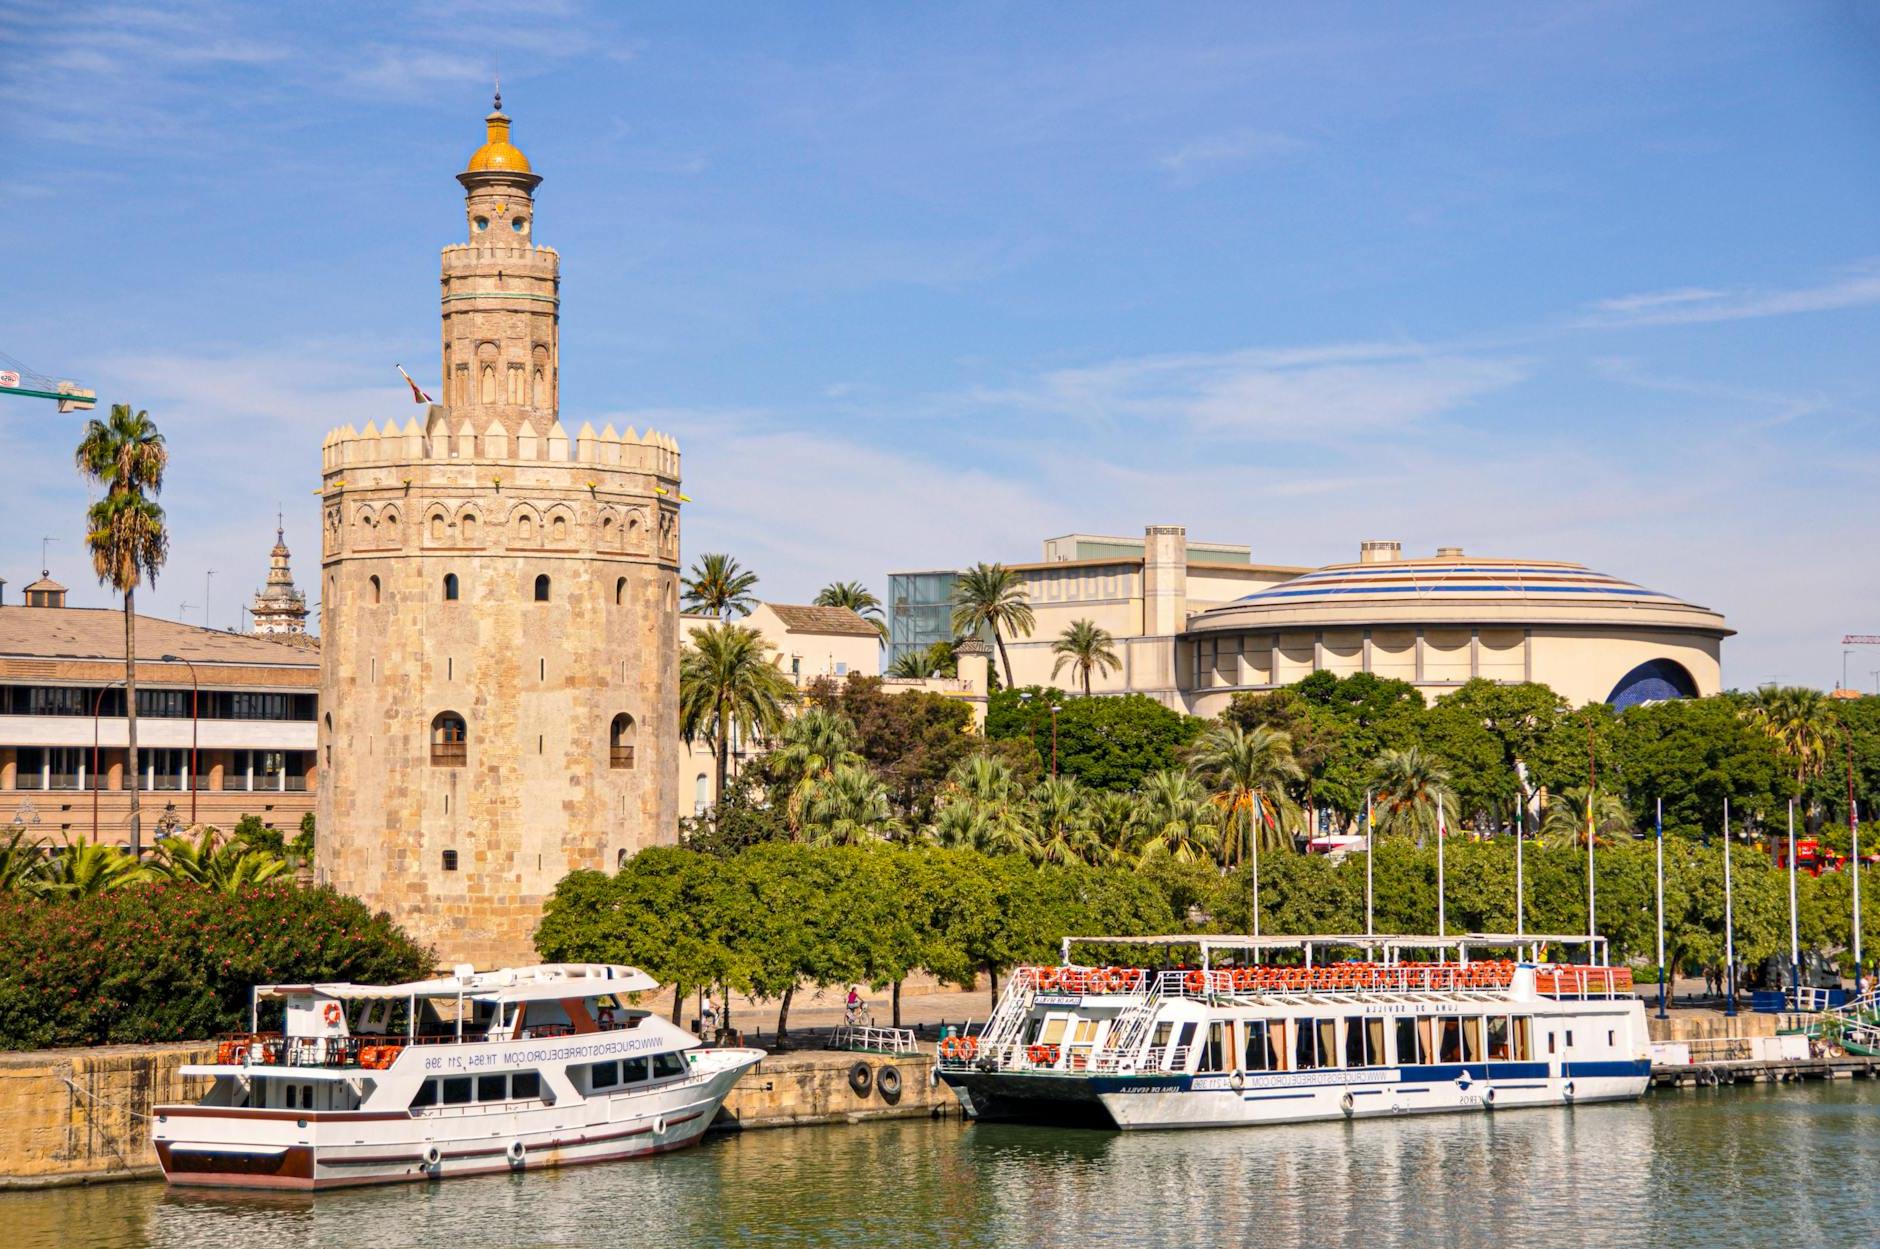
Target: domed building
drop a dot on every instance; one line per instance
(1441, 621)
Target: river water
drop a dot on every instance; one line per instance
(1767, 1166)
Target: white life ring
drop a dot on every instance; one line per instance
(1567, 1092)
(433, 1156)
(517, 1152)
(659, 1125)
(1237, 1081)
(1488, 1099)
(1347, 1102)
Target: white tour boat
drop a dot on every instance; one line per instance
(1260, 1042)
(465, 1074)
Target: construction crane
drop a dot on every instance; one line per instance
(17, 379)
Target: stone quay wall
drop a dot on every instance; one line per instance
(81, 1116)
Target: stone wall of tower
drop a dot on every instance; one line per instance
(539, 791)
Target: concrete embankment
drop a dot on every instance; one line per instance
(80, 1116)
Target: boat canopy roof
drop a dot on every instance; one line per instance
(545, 982)
(1388, 943)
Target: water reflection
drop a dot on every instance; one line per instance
(1688, 1169)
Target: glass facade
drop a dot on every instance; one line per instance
(920, 611)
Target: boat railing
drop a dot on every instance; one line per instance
(368, 1050)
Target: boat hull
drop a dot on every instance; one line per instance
(1132, 1102)
(210, 1147)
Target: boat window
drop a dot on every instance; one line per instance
(1364, 1042)
(1259, 1054)
(1162, 1033)
(1085, 1032)
(1214, 1053)
(1569, 1041)
(1185, 1039)
(456, 1090)
(1409, 1052)
(1306, 1048)
(1498, 1040)
(633, 1070)
(493, 1088)
(1054, 1029)
(603, 1075)
(525, 1085)
(1449, 1040)
(667, 1064)
(1612, 1040)
(1523, 1028)
(1550, 1042)
(425, 1096)
(1328, 1042)
(1472, 1040)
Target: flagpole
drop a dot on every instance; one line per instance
(1795, 932)
(1520, 885)
(1661, 908)
(1258, 816)
(1442, 835)
(1853, 834)
(1592, 790)
(1729, 919)
(1370, 843)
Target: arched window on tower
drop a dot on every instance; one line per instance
(450, 587)
(374, 581)
(620, 742)
(541, 588)
(450, 741)
(620, 592)
(489, 383)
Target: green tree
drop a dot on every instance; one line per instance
(1063, 812)
(1085, 646)
(982, 807)
(847, 807)
(1177, 819)
(719, 587)
(992, 596)
(1566, 818)
(934, 661)
(85, 867)
(910, 740)
(224, 864)
(22, 859)
(1412, 790)
(128, 541)
(1108, 743)
(810, 746)
(728, 687)
(859, 599)
(1248, 773)
(1802, 724)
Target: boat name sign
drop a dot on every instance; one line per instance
(560, 1053)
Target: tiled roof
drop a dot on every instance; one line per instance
(842, 620)
(98, 633)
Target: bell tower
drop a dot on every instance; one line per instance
(501, 296)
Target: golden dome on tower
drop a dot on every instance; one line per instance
(497, 152)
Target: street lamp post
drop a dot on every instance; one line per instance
(195, 698)
(1729, 920)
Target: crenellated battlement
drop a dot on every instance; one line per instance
(494, 250)
(443, 441)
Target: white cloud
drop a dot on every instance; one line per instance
(1199, 156)
(1696, 305)
(1307, 395)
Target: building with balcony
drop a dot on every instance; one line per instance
(225, 723)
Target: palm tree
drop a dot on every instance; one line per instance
(1565, 819)
(982, 807)
(1248, 772)
(227, 865)
(718, 587)
(1085, 645)
(809, 748)
(127, 539)
(728, 687)
(847, 807)
(1411, 789)
(992, 596)
(1802, 724)
(859, 599)
(1176, 818)
(1064, 832)
(1113, 825)
(21, 862)
(934, 661)
(85, 868)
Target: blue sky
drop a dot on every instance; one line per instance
(919, 285)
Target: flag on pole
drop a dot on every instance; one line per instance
(417, 396)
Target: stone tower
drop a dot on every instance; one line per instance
(279, 607)
(499, 616)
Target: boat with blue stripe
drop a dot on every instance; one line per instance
(1258, 1030)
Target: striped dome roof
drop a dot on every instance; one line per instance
(1456, 577)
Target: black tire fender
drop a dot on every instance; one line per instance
(888, 1083)
(861, 1079)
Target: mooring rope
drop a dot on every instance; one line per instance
(103, 1101)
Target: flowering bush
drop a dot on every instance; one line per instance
(170, 962)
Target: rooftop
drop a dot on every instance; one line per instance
(98, 633)
(838, 620)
